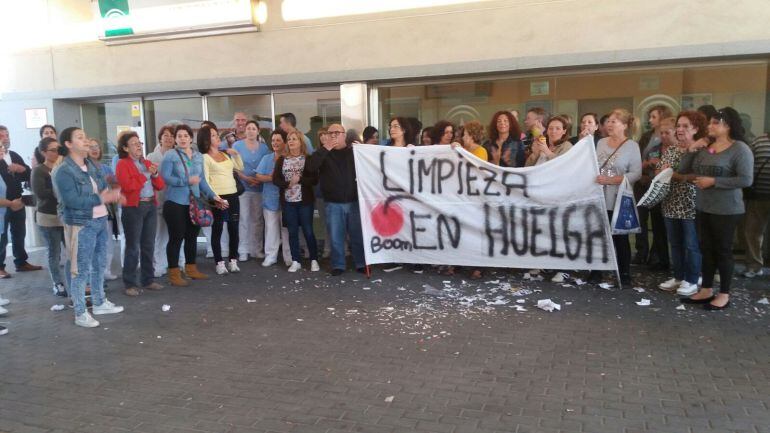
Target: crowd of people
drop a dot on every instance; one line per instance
(266, 193)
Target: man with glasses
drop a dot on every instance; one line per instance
(337, 174)
(14, 172)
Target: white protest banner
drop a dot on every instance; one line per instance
(439, 205)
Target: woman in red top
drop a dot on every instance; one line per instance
(138, 179)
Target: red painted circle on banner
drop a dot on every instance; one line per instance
(387, 221)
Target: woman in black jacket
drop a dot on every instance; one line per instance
(295, 180)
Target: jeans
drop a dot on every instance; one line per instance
(86, 246)
(16, 220)
(685, 252)
(231, 215)
(139, 230)
(180, 229)
(342, 219)
(716, 243)
(54, 237)
(251, 226)
(298, 215)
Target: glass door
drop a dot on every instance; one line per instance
(105, 121)
(162, 112)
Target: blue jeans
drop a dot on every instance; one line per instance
(15, 220)
(89, 247)
(139, 225)
(54, 236)
(344, 219)
(685, 252)
(298, 215)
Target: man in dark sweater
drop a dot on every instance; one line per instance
(337, 173)
(14, 172)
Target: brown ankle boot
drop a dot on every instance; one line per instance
(175, 278)
(193, 272)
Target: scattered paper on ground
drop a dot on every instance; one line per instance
(57, 307)
(644, 302)
(548, 305)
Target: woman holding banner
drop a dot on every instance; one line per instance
(720, 171)
(618, 158)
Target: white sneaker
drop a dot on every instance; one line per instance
(3, 311)
(270, 262)
(4, 301)
(295, 266)
(671, 284)
(752, 274)
(314, 267)
(233, 266)
(110, 276)
(85, 320)
(221, 269)
(243, 257)
(3, 330)
(687, 289)
(558, 277)
(107, 307)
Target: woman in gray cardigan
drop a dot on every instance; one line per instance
(46, 216)
(618, 157)
(719, 171)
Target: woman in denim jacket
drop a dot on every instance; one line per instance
(83, 194)
(182, 171)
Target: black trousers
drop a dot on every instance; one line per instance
(716, 233)
(622, 252)
(180, 229)
(231, 216)
(659, 236)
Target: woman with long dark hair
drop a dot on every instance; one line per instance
(504, 146)
(218, 169)
(182, 171)
(46, 215)
(720, 171)
(276, 235)
(83, 193)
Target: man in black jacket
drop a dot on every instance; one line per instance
(14, 172)
(337, 174)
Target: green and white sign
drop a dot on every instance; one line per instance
(116, 18)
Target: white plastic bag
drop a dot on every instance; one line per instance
(659, 189)
(625, 218)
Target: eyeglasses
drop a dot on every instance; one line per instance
(335, 133)
(53, 149)
(395, 127)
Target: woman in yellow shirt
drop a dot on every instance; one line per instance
(472, 135)
(218, 170)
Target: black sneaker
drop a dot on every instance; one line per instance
(337, 272)
(60, 291)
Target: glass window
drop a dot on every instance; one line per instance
(256, 107)
(312, 110)
(161, 112)
(742, 85)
